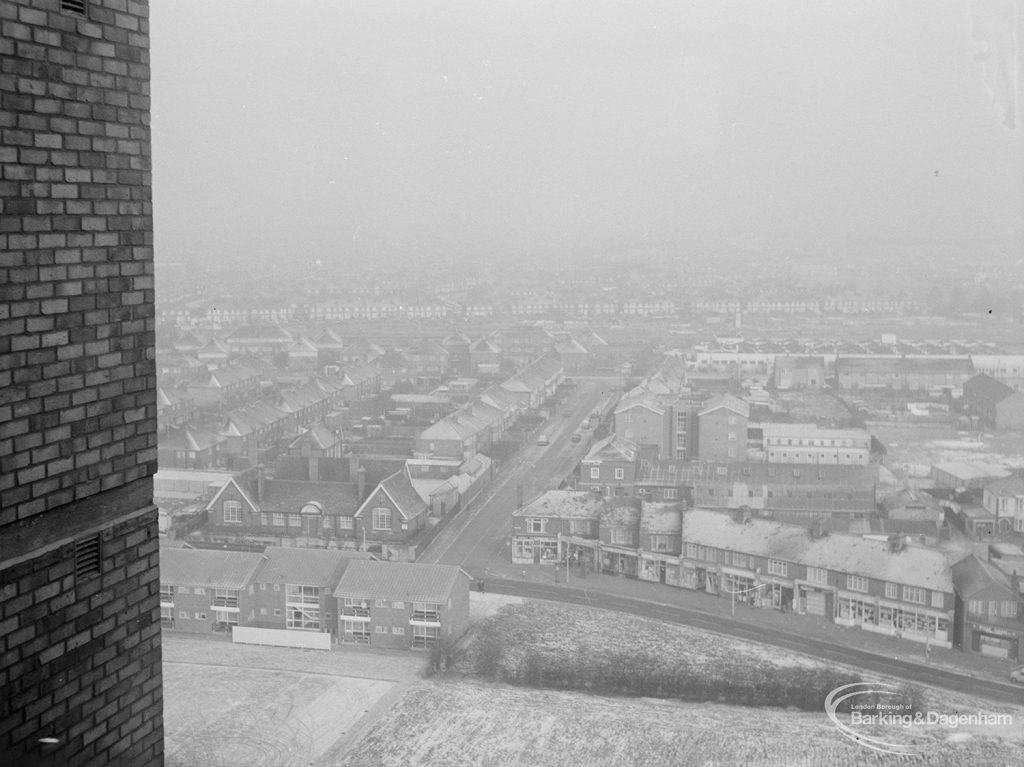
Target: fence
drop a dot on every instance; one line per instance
(310, 640)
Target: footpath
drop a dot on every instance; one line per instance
(971, 664)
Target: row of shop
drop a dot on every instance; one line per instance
(751, 589)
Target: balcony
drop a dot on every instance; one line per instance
(355, 613)
(425, 618)
(225, 604)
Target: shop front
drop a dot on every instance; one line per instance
(814, 600)
(994, 641)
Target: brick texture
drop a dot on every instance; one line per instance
(77, 374)
(79, 651)
(81, 655)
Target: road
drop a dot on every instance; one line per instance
(480, 536)
(479, 541)
(908, 670)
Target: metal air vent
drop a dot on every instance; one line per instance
(76, 7)
(87, 557)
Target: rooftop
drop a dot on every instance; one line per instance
(398, 581)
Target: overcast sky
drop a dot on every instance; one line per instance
(324, 129)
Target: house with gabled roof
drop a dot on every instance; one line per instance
(203, 591)
(302, 354)
(609, 468)
(553, 520)
(189, 447)
(403, 605)
(307, 514)
(293, 589)
(1004, 498)
(722, 429)
(619, 530)
(484, 357)
(224, 387)
(989, 609)
(329, 344)
(392, 515)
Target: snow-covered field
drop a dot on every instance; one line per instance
(463, 724)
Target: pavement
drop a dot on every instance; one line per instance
(952, 669)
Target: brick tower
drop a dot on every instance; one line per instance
(80, 680)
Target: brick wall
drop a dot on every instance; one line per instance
(79, 651)
(81, 655)
(77, 375)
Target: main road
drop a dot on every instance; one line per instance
(479, 536)
(479, 541)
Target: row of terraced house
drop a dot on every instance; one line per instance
(879, 583)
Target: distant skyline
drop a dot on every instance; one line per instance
(313, 129)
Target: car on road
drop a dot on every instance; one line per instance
(1017, 675)
(576, 437)
(543, 440)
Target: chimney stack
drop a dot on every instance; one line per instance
(260, 481)
(361, 484)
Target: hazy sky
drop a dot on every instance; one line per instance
(306, 129)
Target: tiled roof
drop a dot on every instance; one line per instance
(288, 496)
(399, 488)
(971, 575)
(1010, 487)
(398, 581)
(852, 554)
(214, 569)
(575, 504)
(611, 448)
(728, 402)
(620, 512)
(306, 567)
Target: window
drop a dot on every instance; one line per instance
(278, 519)
(620, 474)
(199, 590)
(580, 527)
(1008, 608)
(976, 606)
(398, 630)
(264, 519)
(183, 614)
(891, 591)
(622, 536)
(535, 525)
(914, 594)
(381, 519)
(817, 575)
(856, 583)
(777, 567)
(263, 611)
(225, 598)
(294, 520)
(277, 612)
(595, 472)
(424, 636)
(398, 605)
(380, 629)
(232, 512)
(380, 603)
(691, 551)
(355, 632)
(277, 587)
(670, 494)
(346, 523)
(200, 616)
(182, 589)
(938, 600)
(660, 543)
(732, 420)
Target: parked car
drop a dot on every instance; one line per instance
(543, 440)
(1017, 675)
(576, 437)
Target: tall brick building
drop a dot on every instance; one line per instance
(80, 680)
